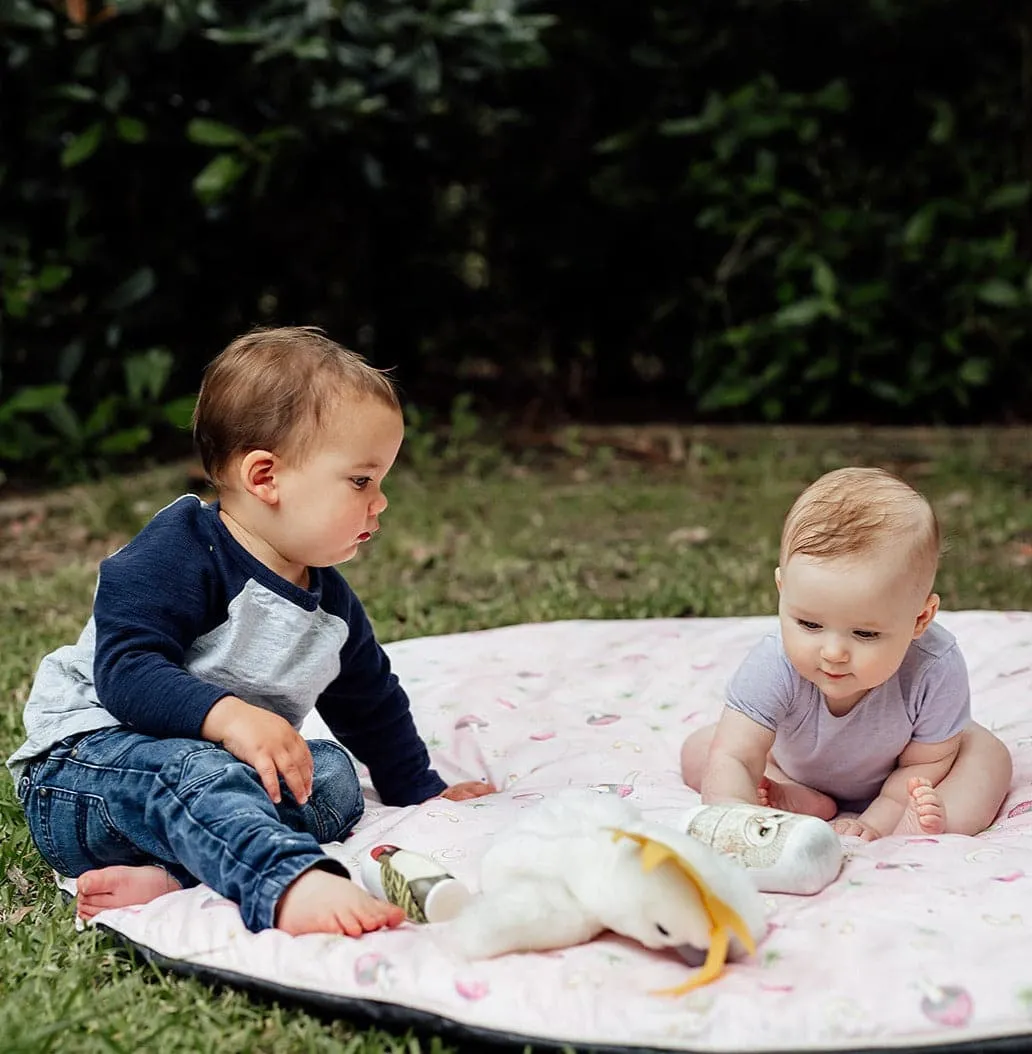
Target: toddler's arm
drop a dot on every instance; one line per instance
(266, 741)
(736, 760)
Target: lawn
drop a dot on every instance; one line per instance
(593, 524)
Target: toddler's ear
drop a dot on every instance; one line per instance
(928, 612)
(258, 475)
(777, 578)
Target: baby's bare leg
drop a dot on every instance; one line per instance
(778, 791)
(320, 901)
(694, 752)
(775, 790)
(964, 801)
(974, 788)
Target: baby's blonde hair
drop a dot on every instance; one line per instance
(863, 512)
(270, 390)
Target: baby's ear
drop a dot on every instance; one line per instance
(928, 612)
(777, 578)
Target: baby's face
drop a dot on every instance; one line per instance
(333, 498)
(847, 621)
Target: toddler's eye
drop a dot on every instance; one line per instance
(808, 625)
(361, 481)
(866, 634)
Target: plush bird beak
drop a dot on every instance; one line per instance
(724, 920)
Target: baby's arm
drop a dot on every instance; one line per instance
(737, 759)
(930, 760)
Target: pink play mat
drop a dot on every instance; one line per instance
(921, 942)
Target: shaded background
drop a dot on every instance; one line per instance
(730, 210)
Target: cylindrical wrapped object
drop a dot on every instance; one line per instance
(421, 888)
(783, 851)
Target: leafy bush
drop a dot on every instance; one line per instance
(734, 209)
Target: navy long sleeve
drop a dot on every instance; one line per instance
(183, 615)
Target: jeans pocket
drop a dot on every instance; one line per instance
(74, 831)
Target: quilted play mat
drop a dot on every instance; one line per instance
(921, 942)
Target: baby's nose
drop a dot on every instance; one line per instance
(834, 649)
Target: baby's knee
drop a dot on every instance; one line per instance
(694, 751)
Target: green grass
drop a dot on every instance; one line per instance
(473, 539)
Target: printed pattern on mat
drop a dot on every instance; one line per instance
(921, 940)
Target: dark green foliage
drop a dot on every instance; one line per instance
(742, 208)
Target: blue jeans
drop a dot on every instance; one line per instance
(119, 797)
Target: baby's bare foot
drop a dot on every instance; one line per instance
(852, 827)
(925, 812)
(120, 887)
(794, 797)
(323, 902)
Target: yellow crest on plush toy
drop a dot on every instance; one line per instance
(724, 920)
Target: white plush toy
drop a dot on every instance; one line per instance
(584, 863)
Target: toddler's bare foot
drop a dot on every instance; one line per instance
(323, 902)
(925, 812)
(794, 797)
(120, 887)
(852, 827)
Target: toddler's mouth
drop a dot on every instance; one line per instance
(364, 536)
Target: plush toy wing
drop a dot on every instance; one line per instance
(724, 920)
(526, 916)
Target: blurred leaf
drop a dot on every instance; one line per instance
(1012, 196)
(999, 293)
(824, 280)
(179, 412)
(147, 373)
(919, 227)
(139, 285)
(213, 133)
(801, 313)
(53, 276)
(218, 176)
(128, 441)
(83, 146)
(130, 130)
(975, 372)
(33, 400)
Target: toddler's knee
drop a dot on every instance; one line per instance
(336, 790)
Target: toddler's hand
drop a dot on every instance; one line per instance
(265, 741)
(469, 789)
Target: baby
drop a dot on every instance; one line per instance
(860, 702)
(163, 747)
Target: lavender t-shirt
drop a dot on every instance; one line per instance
(928, 700)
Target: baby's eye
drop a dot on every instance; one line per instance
(808, 625)
(866, 634)
(361, 481)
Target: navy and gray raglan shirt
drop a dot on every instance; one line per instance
(183, 615)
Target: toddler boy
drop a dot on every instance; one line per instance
(162, 747)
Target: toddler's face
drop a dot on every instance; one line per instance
(847, 622)
(332, 500)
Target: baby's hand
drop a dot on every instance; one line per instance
(469, 789)
(265, 741)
